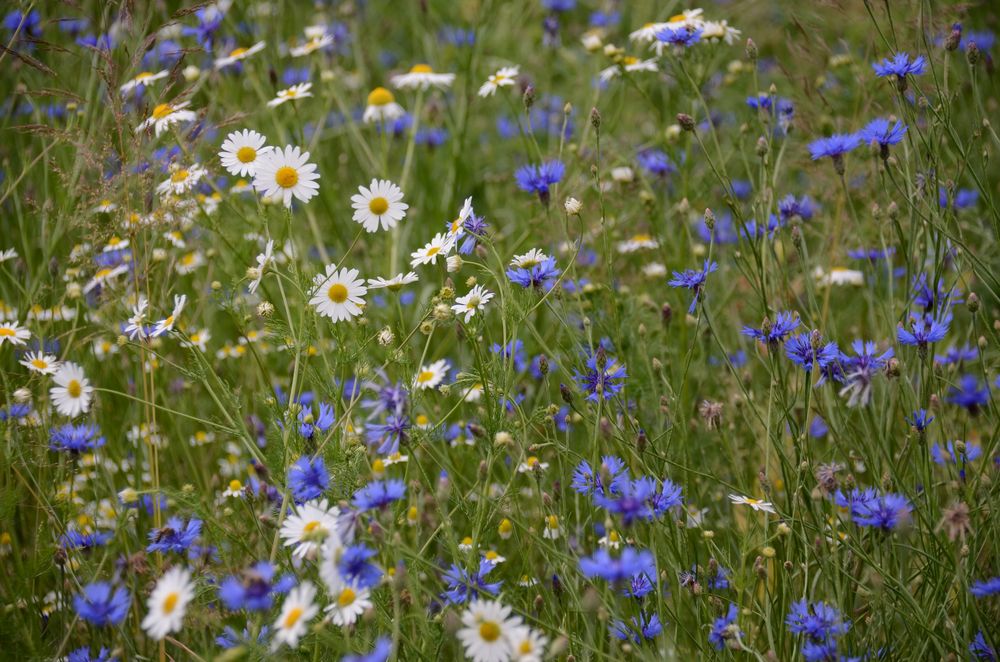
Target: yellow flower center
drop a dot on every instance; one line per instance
(162, 111)
(235, 486)
(41, 364)
(236, 52)
(170, 602)
(489, 631)
(506, 526)
(422, 419)
(641, 237)
(6, 332)
(614, 537)
(74, 389)
(629, 59)
(433, 250)
(286, 177)
(552, 522)
(491, 555)
(246, 154)
(143, 76)
(425, 376)
(525, 647)
(380, 97)
(294, 614)
(311, 526)
(421, 69)
(467, 540)
(346, 597)
(179, 176)
(677, 18)
(378, 206)
(532, 461)
(337, 293)
(378, 466)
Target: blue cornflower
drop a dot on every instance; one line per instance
(719, 579)
(969, 453)
(775, 332)
(924, 329)
(721, 630)
(885, 512)
(694, 280)
(101, 604)
(604, 377)
(920, 420)
(475, 229)
(541, 275)
(667, 498)
(381, 652)
(587, 481)
(308, 478)
(681, 37)
(559, 5)
(881, 132)
(986, 587)
(615, 569)
(390, 397)
(723, 232)
(835, 147)
(958, 355)
(656, 162)
(790, 207)
(638, 630)
(754, 230)
(177, 536)
(871, 254)
(83, 655)
(229, 639)
(969, 393)
(818, 428)
(537, 178)
(900, 66)
(75, 539)
(964, 198)
(464, 585)
(308, 424)
(629, 498)
(353, 566)
(981, 650)
(514, 350)
(860, 370)
(75, 438)
(819, 621)
(209, 21)
(800, 350)
(378, 494)
(927, 299)
(254, 589)
(16, 411)
(389, 435)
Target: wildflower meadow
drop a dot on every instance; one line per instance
(497, 330)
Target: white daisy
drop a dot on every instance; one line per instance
(189, 262)
(487, 627)
(296, 612)
(198, 339)
(637, 242)
(8, 254)
(181, 180)
(379, 205)
(234, 490)
(299, 91)
(105, 206)
(647, 33)
(264, 260)
(532, 258)
(505, 77)
(527, 644)
(716, 30)
(115, 243)
(382, 107)
(240, 152)
(165, 115)
(142, 80)
(72, 393)
(313, 525)
(338, 294)
(552, 529)
(431, 375)
(104, 275)
(756, 504)
(286, 173)
(394, 283)
(40, 362)
(13, 333)
(532, 463)
(348, 601)
(167, 324)
(630, 64)
(457, 227)
(315, 43)
(168, 603)
(238, 54)
(422, 76)
(439, 246)
(136, 327)
(474, 301)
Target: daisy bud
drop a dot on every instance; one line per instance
(751, 50)
(454, 263)
(672, 132)
(686, 121)
(265, 309)
(503, 439)
(573, 206)
(22, 395)
(591, 41)
(159, 255)
(73, 290)
(191, 73)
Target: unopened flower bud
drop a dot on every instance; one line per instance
(686, 121)
(573, 206)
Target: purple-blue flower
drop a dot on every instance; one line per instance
(721, 630)
(775, 332)
(75, 439)
(101, 604)
(538, 178)
(900, 66)
(694, 280)
(619, 568)
(378, 494)
(308, 478)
